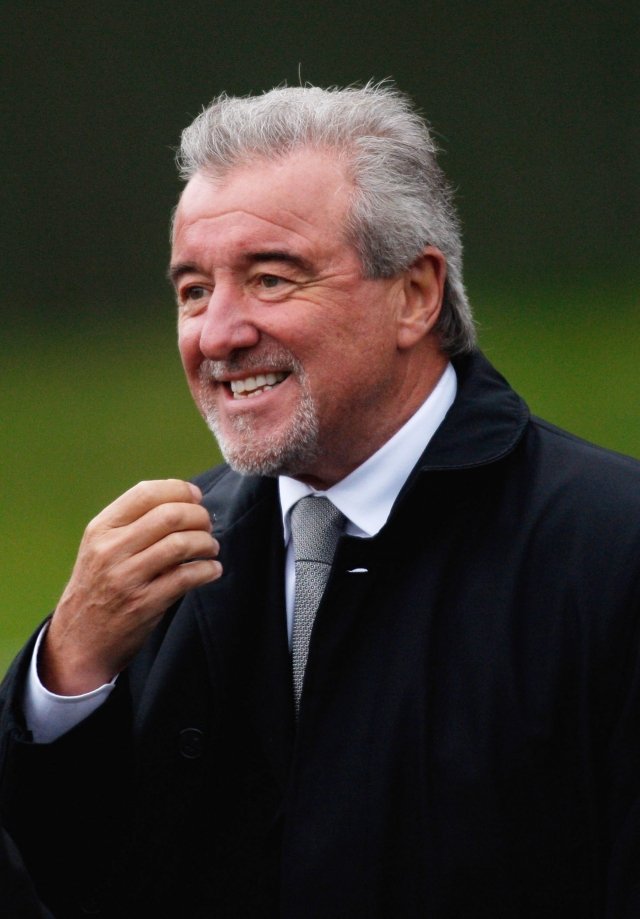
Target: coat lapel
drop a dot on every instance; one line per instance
(243, 623)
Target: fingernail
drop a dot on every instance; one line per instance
(195, 491)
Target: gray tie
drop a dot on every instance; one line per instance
(316, 525)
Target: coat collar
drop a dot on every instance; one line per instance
(485, 422)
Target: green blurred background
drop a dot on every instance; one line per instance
(534, 104)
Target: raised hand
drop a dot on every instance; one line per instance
(136, 558)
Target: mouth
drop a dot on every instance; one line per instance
(256, 385)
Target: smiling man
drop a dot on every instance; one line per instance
(266, 285)
(381, 663)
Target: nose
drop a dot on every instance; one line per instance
(227, 325)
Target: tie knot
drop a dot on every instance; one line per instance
(316, 525)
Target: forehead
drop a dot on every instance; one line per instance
(299, 201)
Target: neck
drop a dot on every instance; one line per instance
(334, 465)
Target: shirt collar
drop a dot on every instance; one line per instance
(367, 494)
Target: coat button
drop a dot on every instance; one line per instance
(91, 905)
(191, 743)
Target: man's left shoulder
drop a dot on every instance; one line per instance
(586, 471)
(584, 452)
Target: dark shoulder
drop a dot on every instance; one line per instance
(583, 452)
(227, 495)
(575, 472)
(209, 479)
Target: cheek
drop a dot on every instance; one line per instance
(359, 347)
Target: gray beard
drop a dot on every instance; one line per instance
(290, 452)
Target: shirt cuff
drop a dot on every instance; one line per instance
(48, 715)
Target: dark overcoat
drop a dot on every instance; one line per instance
(469, 734)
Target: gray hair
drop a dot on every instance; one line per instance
(402, 201)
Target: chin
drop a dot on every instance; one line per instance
(291, 451)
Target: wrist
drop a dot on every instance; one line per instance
(65, 674)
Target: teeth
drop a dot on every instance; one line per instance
(253, 386)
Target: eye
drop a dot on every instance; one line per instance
(271, 287)
(194, 293)
(270, 281)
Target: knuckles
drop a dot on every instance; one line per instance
(186, 544)
(170, 516)
(102, 550)
(92, 529)
(179, 516)
(201, 572)
(178, 544)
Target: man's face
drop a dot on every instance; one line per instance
(291, 356)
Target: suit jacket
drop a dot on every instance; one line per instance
(468, 741)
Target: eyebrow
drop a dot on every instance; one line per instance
(176, 271)
(280, 255)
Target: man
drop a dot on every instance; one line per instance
(400, 675)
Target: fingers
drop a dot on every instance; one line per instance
(136, 558)
(152, 527)
(165, 554)
(170, 586)
(143, 497)
(121, 560)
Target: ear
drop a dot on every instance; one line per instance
(421, 302)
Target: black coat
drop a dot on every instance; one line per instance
(18, 898)
(469, 733)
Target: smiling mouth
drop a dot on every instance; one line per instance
(254, 386)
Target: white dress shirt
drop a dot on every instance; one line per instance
(365, 497)
(367, 494)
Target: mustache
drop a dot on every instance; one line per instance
(272, 358)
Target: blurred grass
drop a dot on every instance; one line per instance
(572, 353)
(86, 412)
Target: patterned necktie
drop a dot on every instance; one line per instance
(316, 525)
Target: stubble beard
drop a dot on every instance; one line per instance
(292, 450)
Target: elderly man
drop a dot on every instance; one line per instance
(384, 662)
